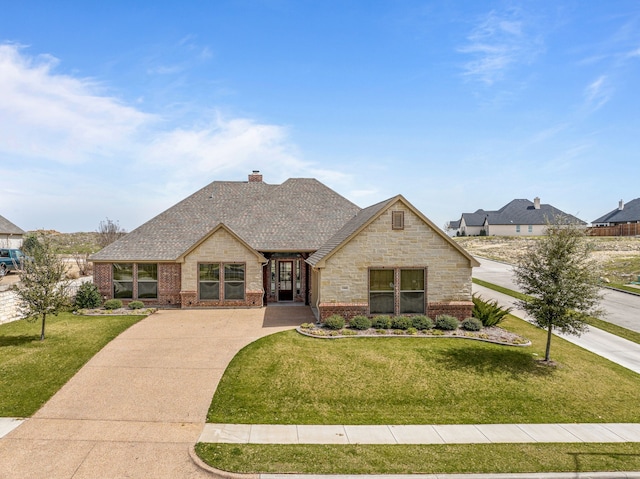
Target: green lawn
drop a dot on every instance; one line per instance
(31, 371)
(287, 378)
(625, 333)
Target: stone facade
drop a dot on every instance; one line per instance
(222, 247)
(344, 278)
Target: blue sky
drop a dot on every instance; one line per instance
(120, 109)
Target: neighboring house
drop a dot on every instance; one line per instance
(248, 243)
(10, 234)
(519, 217)
(623, 221)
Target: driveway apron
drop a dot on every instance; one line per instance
(140, 403)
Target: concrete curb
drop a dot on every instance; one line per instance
(217, 472)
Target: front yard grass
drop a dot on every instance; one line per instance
(31, 371)
(289, 379)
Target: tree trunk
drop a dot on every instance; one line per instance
(44, 318)
(548, 350)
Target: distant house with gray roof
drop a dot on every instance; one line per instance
(623, 221)
(249, 243)
(519, 217)
(10, 234)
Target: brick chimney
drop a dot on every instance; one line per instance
(255, 177)
(536, 203)
(620, 205)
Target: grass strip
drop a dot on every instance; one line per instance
(412, 459)
(624, 333)
(624, 287)
(31, 371)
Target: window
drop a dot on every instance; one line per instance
(123, 280)
(298, 276)
(530, 229)
(147, 281)
(209, 280)
(234, 281)
(517, 228)
(381, 291)
(397, 220)
(412, 291)
(273, 276)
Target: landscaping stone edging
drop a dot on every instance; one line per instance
(417, 336)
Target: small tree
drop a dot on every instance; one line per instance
(42, 289)
(108, 232)
(561, 278)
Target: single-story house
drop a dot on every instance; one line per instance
(623, 221)
(519, 217)
(249, 243)
(10, 234)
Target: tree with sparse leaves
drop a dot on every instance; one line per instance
(108, 232)
(43, 288)
(562, 279)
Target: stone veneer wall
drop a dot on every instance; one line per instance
(222, 247)
(344, 280)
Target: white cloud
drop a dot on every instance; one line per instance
(597, 93)
(498, 43)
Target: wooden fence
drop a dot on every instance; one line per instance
(632, 229)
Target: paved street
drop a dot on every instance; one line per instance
(621, 308)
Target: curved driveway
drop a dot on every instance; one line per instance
(135, 409)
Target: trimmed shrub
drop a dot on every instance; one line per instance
(422, 322)
(471, 324)
(381, 322)
(334, 322)
(412, 331)
(112, 304)
(136, 305)
(360, 322)
(447, 323)
(401, 322)
(87, 296)
(488, 312)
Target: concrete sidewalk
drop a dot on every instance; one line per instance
(419, 434)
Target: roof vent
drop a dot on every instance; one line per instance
(536, 203)
(255, 177)
(620, 205)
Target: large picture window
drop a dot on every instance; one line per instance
(209, 281)
(123, 280)
(412, 291)
(381, 291)
(147, 281)
(234, 281)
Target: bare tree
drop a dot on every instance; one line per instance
(108, 232)
(43, 289)
(82, 262)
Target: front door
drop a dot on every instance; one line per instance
(285, 281)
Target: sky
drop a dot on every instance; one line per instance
(121, 109)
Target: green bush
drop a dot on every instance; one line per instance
(136, 305)
(334, 322)
(488, 312)
(360, 322)
(422, 322)
(471, 324)
(381, 322)
(447, 323)
(112, 304)
(87, 296)
(401, 322)
(412, 331)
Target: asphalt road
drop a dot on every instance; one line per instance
(620, 308)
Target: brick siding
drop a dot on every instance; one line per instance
(458, 309)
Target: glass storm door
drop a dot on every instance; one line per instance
(285, 281)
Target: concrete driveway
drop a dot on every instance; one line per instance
(135, 409)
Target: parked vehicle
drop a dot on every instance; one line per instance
(10, 260)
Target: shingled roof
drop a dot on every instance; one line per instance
(630, 212)
(519, 212)
(298, 215)
(8, 228)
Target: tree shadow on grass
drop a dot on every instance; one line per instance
(516, 362)
(18, 340)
